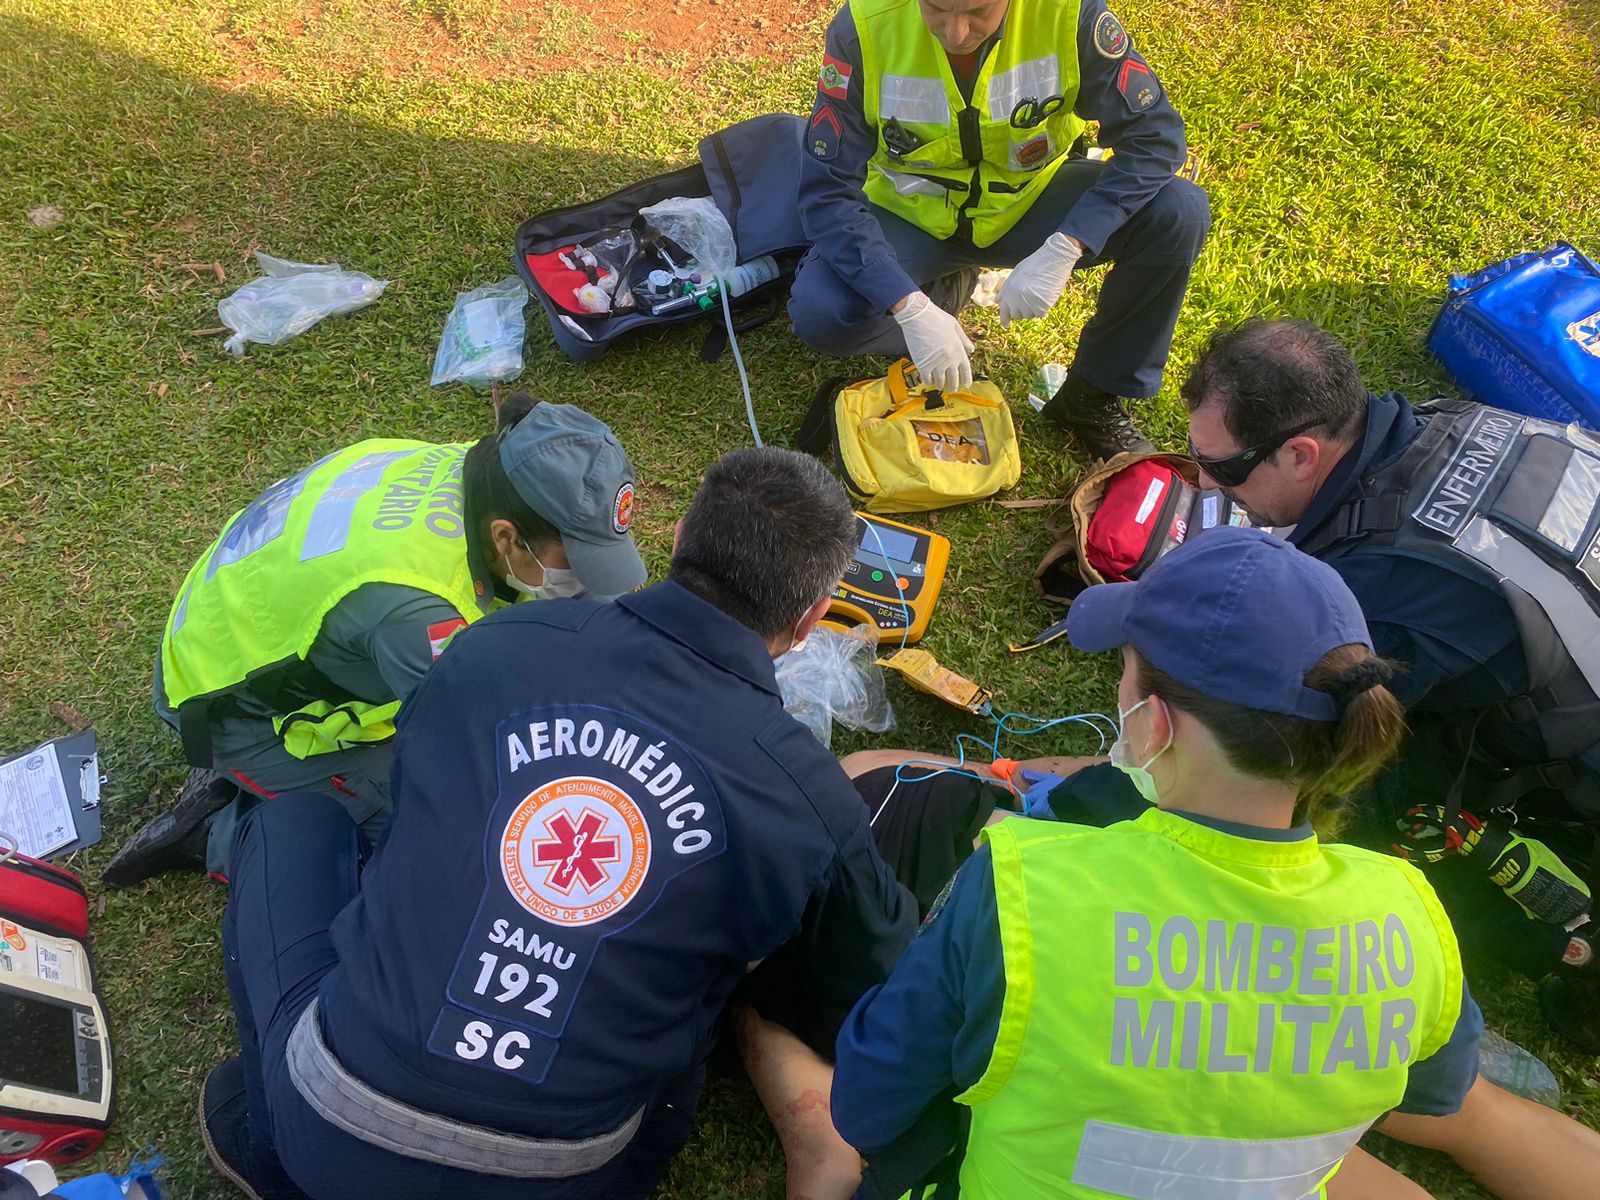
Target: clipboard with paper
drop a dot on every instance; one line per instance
(50, 797)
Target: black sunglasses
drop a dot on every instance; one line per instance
(1235, 469)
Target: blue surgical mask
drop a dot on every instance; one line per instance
(560, 583)
(1143, 781)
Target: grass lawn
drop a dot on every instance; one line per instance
(1356, 152)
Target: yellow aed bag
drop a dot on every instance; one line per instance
(902, 447)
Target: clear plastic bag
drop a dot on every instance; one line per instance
(1504, 1063)
(696, 224)
(835, 678)
(482, 342)
(290, 298)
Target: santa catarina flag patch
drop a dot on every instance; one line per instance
(834, 78)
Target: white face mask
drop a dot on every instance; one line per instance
(560, 583)
(1121, 755)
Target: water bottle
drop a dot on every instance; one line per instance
(750, 275)
(1504, 1063)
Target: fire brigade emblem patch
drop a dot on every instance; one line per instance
(575, 851)
(1110, 38)
(622, 509)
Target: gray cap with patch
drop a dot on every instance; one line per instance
(573, 472)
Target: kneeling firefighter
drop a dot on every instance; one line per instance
(322, 603)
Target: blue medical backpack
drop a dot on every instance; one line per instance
(1524, 334)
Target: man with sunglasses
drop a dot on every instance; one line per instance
(946, 137)
(1433, 516)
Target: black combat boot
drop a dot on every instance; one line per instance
(176, 840)
(225, 1129)
(1097, 419)
(952, 292)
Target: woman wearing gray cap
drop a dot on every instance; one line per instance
(324, 600)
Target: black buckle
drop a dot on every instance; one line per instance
(1350, 518)
(1518, 710)
(1558, 775)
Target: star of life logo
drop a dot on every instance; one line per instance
(575, 851)
(1586, 333)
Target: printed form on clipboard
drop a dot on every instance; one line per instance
(49, 797)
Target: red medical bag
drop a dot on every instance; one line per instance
(55, 1050)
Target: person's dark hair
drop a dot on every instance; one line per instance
(487, 492)
(1325, 760)
(1270, 376)
(767, 534)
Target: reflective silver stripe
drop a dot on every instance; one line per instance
(912, 185)
(329, 527)
(182, 611)
(261, 521)
(342, 1100)
(921, 101)
(1144, 1165)
(1576, 623)
(1036, 79)
(1577, 495)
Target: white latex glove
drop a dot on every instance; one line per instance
(936, 343)
(1036, 283)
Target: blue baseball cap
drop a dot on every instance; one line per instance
(573, 472)
(1236, 614)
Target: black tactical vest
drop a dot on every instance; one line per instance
(1511, 502)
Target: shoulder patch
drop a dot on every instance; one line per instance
(1110, 38)
(622, 508)
(440, 633)
(825, 131)
(834, 78)
(1137, 85)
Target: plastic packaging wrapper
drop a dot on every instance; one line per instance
(987, 292)
(140, 1183)
(482, 342)
(835, 679)
(696, 224)
(615, 251)
(1505, 1064)
(290, 298)
(923, 672)
(1047, 381)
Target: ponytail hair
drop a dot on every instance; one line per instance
(1325, 760)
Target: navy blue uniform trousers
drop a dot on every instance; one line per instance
(1124, 346)
(296, 864)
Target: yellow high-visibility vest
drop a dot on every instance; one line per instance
(1186, 1005)
(969, 160)
(381, 511)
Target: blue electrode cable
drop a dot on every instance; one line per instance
(1005, 724)
(883, 553)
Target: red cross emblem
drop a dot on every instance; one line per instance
(577, 852)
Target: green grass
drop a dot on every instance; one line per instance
(1357, 152)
